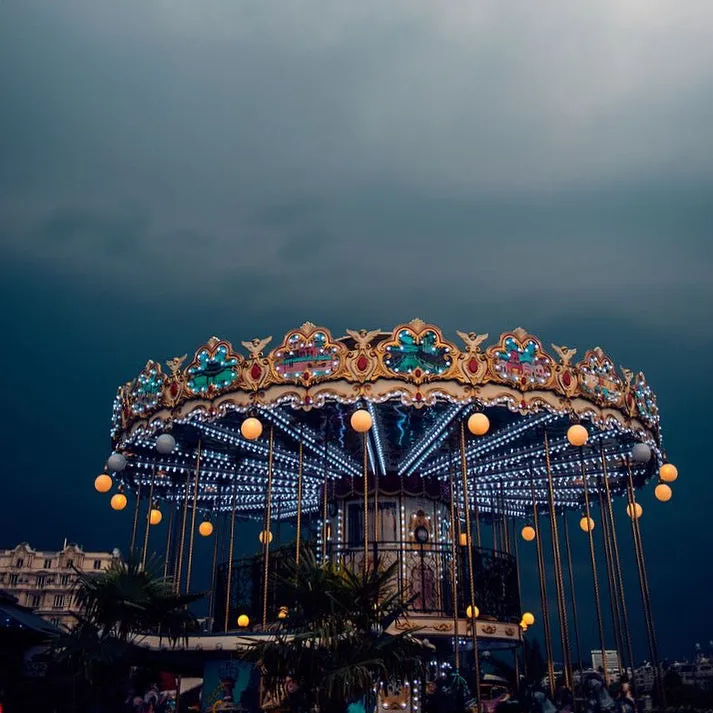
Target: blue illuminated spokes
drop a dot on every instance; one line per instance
(336, 457)
(430, 441)
(375, 437)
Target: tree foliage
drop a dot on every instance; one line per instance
(333, 646)
(116, 606)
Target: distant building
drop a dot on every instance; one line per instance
(44, 580)
(613, 663)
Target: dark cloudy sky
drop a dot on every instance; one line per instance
(175, 169)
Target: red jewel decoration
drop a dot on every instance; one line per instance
(417, 373)
(473, 365)
(566, 379)
(361, 363)
(419, 396)
(255, 372)
(305, 375)
(173, 390)
(308, 399)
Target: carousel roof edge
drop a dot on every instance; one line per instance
(413, 361)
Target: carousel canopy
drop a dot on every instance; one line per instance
(420, 390)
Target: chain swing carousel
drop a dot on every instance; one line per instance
(408, 448)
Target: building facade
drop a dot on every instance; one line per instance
(609, 657)
(44, 580)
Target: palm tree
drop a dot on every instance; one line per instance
(117, 606)
(333, 646)
(129, 599)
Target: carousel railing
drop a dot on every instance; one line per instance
(424, 575)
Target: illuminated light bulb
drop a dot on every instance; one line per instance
(282, 613)
(586, 524)
(265, 535)
(528, 533)
(155, 516)
(668, 472)
(469, 612)
(206, 528)
(243, 621)
(528, 619)
(637, 511)
(663, 492)
(361, 420)
(463, 539)
(251, 429)
(103, 483)
(577, 434)
(478, 424)
(118, 501)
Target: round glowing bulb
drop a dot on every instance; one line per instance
(118, 501)
(155, 517)
(478, 424)
(668, 472)
(265, 535)
(469, 612)
(636, 512)
(528, 619)
(528, 533)
(206, 528)
(103, 483)
(361, 420)
(577, 434)
(663, 492)
(243, 621)
(251, 429)
(587, 524)
(282, 613)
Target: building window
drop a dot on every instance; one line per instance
(14, 578)
(48, 564)
(58, 601)
(41, 580)
(35, 601)
(70, 564)
(97, 564)
(20, 562)
(64, 579)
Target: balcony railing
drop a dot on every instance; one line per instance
(424, 574)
